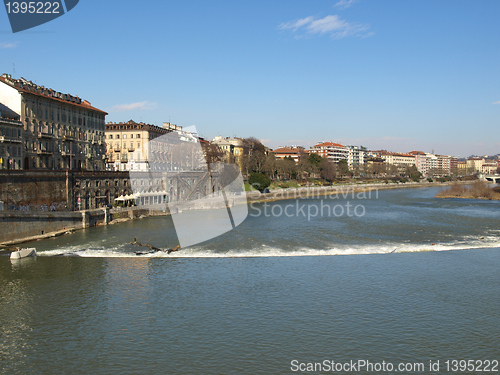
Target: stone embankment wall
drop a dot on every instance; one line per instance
(21, 226)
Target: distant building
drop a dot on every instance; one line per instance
(489, 168)
(462, 167)
(475, 164)
(58, 131)
(400, 160)
(233, 149)
(420, 161)
(333, 151)
(123, 138)
(294, 152)
(357, 156)
(432, 165)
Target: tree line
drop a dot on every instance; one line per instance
(256, 160)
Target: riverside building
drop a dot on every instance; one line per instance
(333, 151)
(293, 152)
(58, 131)
(123, 138)
(11, 147)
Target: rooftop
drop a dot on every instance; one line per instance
(328, 144)
(23, 85)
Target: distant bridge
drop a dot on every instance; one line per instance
(493, 178)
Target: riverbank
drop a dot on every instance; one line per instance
(345, 190)
(478, 190)
(86, 219)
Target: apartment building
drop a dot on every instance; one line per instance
(11, 147)
(123, 138)
(475, 164)
(58, 131)
(294, 152)
(420, 161)
(357, 156)
(489, 167)
(333, 151)
(401, 160)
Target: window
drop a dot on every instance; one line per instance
(118, 136)
(138, 136)
(124, 136)
(111, 136)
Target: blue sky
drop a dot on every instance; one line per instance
(399, 75)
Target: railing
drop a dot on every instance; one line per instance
(4, 138)
(11, 122)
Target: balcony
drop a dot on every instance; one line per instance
(43, 151)
(44, 135)
(11, 122)
(4, 138)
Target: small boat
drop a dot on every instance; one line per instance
(23, 253)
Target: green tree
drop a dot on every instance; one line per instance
(413, 173)
(259, 181)
(314, 159)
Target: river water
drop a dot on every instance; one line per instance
(398, 277)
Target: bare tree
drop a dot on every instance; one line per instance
(328, 169)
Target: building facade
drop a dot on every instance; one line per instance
(420, 161)
(123, 138)
(59, 131)
(357, 156)
(233, 149)
(11, 144)
(333, 151)
(475, 164)
(400, 160)
(294, 152)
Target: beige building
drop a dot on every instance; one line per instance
(11, 145)
(123, 138)
(489, 168)
(59, 131)
(475, 164)
(233, 149)
(398, 159)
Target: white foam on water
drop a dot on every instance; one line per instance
(269, 251)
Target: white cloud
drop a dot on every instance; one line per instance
(141, 106)
(343, 4)
(8, 45)
(332, 25)
(295, 25)
(496, 102)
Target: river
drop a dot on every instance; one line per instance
(397, 278)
